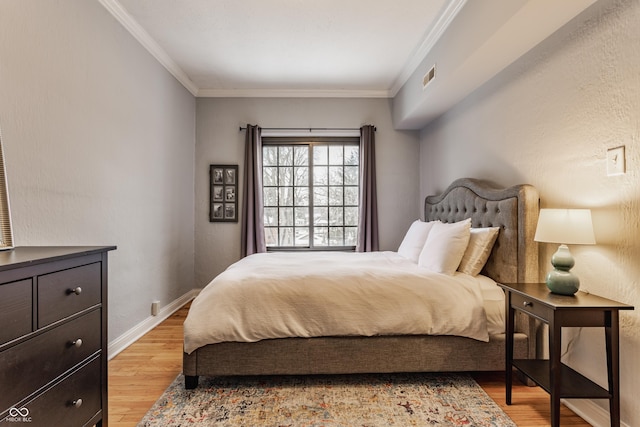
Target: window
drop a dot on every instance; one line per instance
(311, 192)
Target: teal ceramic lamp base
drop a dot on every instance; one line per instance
(561, 280)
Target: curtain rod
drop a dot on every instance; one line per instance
(309, 129)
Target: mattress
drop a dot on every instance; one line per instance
(493, 303)
(280, 295)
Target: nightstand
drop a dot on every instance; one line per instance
(558, 311)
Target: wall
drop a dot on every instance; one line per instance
(218, 141)
(99, 144)
(547, 120)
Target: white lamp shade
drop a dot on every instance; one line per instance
(565, 226)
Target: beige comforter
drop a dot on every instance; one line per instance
(311, 294)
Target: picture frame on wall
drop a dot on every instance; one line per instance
(223, 204)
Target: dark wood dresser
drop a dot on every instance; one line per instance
(53, 336)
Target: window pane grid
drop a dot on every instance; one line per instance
(311, 194)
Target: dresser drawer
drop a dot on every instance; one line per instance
(67, 292)
(530, 306)
(73, 402)
(32, 364)
(16, 317)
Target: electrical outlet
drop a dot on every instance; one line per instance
(154, 308)
(615, 161)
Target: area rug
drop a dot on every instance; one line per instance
(335, 400)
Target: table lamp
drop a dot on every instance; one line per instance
(564, 226)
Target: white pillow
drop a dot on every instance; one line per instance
(445, 246)
(478, 250)
(414, 240)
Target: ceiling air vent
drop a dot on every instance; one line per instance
(429, 77)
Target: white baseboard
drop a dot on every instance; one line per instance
(135, 333)
(590, 412)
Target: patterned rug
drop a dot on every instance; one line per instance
(335, 400)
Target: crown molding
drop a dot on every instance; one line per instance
(290, 93)
(115, 8)
(441, 25)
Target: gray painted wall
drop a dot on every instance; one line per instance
(218, 141)
(548, 120)
(99, 143)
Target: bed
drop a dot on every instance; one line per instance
(513, 258)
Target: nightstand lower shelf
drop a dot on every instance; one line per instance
(574, 385)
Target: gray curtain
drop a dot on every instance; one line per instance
(252, 203)
(368, 225)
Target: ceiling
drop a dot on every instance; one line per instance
(336, 48)
(285, 47)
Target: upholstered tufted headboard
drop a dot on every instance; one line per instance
(515, 210)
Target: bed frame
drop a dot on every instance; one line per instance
(514, 259)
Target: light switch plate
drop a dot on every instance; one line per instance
(615, 161)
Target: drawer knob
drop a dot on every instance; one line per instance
(76, 291)
(77, 403)
(77, 343)
(528, 304)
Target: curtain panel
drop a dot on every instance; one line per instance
(253, 240)
(368, 219)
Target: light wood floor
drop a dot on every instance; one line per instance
(139, 375)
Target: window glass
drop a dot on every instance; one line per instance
(311, 192)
